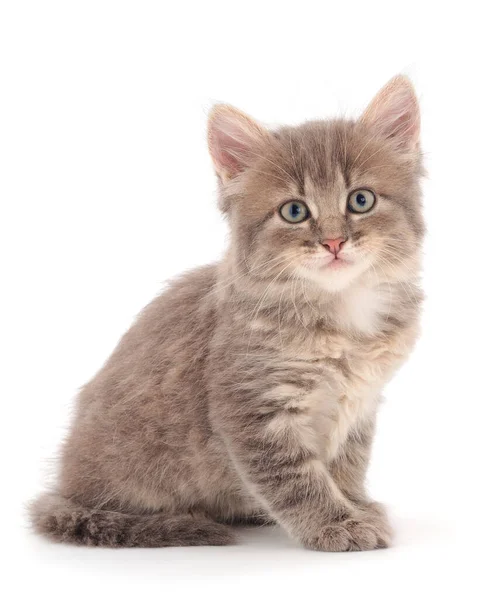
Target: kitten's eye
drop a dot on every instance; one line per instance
(294, 211)
(361, 201)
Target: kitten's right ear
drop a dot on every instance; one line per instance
(394, 114)
(234, 139)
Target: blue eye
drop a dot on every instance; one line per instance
(294, 211)
(361, 201)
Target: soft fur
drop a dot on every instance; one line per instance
(247, 392)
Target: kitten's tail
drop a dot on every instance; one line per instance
(62, 520)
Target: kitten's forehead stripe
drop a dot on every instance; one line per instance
(328, 159)
(301, 183)
(319, 152)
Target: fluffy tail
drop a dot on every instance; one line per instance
(64, 521)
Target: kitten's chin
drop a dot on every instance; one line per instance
(334, 276)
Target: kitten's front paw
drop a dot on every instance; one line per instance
(362, 532)
(375, 515)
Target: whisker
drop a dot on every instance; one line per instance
(308, 301)
(410, 292)
(255, 269)
(369, 141)
(294, 289)
(263, 298)
(369, 156)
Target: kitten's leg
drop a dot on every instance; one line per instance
(349, 472)
(349, 467)
(274, 446)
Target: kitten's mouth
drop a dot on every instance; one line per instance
(328, 263)
(336, 263)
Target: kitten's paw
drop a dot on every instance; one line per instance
(376, 516)
(359, 533)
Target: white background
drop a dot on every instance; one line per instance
(107, 191)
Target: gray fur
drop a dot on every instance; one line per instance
(247, 392)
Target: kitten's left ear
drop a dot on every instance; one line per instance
(394, 113)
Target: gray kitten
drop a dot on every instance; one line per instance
(247, 392)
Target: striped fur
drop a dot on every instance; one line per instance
(247, 392)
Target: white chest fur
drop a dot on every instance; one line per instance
(348, 395)
(355, 401)
(348, 358)
(362, 308)
(358, 362)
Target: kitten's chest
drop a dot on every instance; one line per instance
(355, 370)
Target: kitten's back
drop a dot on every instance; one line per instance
(150, 395)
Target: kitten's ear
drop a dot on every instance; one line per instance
(394, 113)
(233, 140)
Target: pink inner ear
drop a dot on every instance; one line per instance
(395, 113)
(234, 138)
(229, 153)
(401, 120)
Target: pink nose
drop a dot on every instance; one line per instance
(334, 246)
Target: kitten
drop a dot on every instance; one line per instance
(247, 392)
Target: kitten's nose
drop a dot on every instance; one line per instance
(335, 245)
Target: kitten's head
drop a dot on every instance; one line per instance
(329, 201)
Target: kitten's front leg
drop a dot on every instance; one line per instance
(348, 470)
(274, 446)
